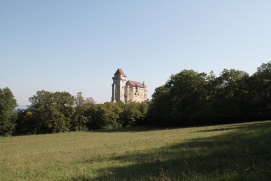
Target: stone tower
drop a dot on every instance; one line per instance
(118, 86)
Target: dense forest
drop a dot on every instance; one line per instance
(188, 98)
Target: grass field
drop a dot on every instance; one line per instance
(228, 152)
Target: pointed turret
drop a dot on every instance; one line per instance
(120, 72)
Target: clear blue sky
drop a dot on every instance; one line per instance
(77, 46)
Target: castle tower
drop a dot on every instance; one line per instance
(118, 86)
(145, 97)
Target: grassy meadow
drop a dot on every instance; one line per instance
(225, 152)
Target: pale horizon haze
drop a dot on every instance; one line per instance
(74, 46)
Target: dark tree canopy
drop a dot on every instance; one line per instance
(190, 98)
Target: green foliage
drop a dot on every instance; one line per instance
(80, 118)
(190, 98)
(7, 112)
(159, 112)
(49, 112)
(180, 100)
(227, 98)
(133, 113)
(116, 115)
(26, 123)
(188, 95)
(108, 114)
(260, 92)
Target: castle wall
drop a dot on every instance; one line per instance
(136, 94)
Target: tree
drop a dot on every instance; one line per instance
(188, 96)
(227, 92)
(192, 98)
(260, 93)
(81, 118)
(25, 124)
(159, 112)
(181, 101)
(105, 116)
(52, 112)
(7, 112)
(133, 113)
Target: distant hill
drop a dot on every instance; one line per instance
(22, 107)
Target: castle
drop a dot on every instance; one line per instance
(127, 91)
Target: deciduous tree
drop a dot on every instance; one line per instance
(81, 117)
(52, 112)
(7, 112)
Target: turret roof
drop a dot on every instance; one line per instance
(120, 72)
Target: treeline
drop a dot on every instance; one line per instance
(188, 98)
(52, 112)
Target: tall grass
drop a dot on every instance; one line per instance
(228, 152)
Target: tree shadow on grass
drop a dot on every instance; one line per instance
(244, 154)
(134, 129)
(151, 128)
(233, 126)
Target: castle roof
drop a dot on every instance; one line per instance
(120, 72)
(134, 83)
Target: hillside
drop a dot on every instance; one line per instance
(228, 152)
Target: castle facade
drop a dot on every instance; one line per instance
(127, 91)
